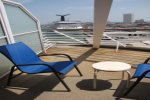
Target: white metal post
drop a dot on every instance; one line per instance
(101, 12)
(41, 36)
(117, 47)
(5, 23)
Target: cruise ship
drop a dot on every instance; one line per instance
(67, 25)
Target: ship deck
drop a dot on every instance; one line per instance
(109, 84)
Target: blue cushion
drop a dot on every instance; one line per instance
(62, 67)
(141, 68)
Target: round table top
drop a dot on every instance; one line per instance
(111, 66)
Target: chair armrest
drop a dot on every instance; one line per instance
(147, 60)
(38, 64)
(57, 55)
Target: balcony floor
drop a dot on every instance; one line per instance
(109, 84)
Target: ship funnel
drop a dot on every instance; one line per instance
(62, 17)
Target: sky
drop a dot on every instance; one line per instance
(82, 10)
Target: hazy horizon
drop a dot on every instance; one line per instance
(82, 10)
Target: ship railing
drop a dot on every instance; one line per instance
(110, 39)
(47, 42)
(69, 37)
(65, 38)
(118, 43)
(77, 38)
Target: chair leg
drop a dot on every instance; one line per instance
(10, 76)
(78, 70)
(135, 83)
(62, 82)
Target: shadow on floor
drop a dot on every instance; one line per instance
(88, 85)
(28, 87)
(85, 55)
(140, 92)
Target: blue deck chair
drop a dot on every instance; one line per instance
(25, 60)
(142, 71)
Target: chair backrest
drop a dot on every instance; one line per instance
(19, 53)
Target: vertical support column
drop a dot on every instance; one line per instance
(101, 12)
(5, 23)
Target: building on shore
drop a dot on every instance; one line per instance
(128, 18)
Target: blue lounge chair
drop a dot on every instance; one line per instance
(142, 71)
(25, 60)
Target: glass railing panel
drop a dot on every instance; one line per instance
(31, 39)
(5, 64)
(3, 41)
(1, 30)
(20, 22)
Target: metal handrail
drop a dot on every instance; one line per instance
(78, 38)
(69, 37)
(118, 43)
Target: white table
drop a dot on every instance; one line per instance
(111, 66)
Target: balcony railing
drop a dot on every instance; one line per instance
(117, 39)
